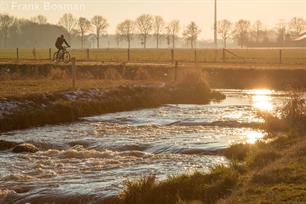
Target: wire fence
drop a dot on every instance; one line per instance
(253, 55)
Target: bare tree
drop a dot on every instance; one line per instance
(297, 26)
(158, 26)
(6, 22)
(242, 28)
(144, 24)
(224, 29)
(281, 29)
(191, 33)
(173, 28)
(257, 27)
(126, 30)
(68, 22)
(84, 26)
(101, 25)
(40, 19)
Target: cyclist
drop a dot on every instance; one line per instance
(59, 45)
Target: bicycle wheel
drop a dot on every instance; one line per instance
(67, 57)
(55, 57)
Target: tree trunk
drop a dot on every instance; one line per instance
(173, 41)
(98, 40)
(145, 41)
(241, 40)
(224, 43)
(82, 40)
(5, 39)
(157, 40)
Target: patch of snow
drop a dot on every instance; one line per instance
(6, 107)
(83, 95)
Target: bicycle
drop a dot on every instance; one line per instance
(62, 55)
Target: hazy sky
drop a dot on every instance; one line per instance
(200, 11)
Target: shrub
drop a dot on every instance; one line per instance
(273, 123)
(194, 79)
(135, 192)
(237, 152)
(192, 87)
(195, 188)
(294, 112)
(292, 115)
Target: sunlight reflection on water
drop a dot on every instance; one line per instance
(262, 100)
(253, 136)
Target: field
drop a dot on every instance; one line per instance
(265, 55)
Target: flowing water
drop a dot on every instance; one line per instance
(95, 156)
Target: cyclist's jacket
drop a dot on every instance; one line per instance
(60, 41)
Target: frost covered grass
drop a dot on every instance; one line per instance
(16, 88)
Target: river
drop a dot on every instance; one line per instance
(97, 155)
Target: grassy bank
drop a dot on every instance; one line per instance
(270, 171)
(27, 103)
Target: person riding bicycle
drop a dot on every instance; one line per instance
(59, 45)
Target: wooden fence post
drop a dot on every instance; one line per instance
(34, 53)
(123, 69)
(17, 54)
(172, 56)
(73, 72)
(87, 51)
(280, 56)
(50, 54)
(129, 54)
(175, 70)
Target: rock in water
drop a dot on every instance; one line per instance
(4, 145)
(22, 148)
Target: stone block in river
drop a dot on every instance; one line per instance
(24, 148)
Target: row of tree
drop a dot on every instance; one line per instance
(245, 32)
(242, 31)
(145, 26)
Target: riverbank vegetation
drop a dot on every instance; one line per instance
(29, 77)
(29, 105)
(270, 171)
